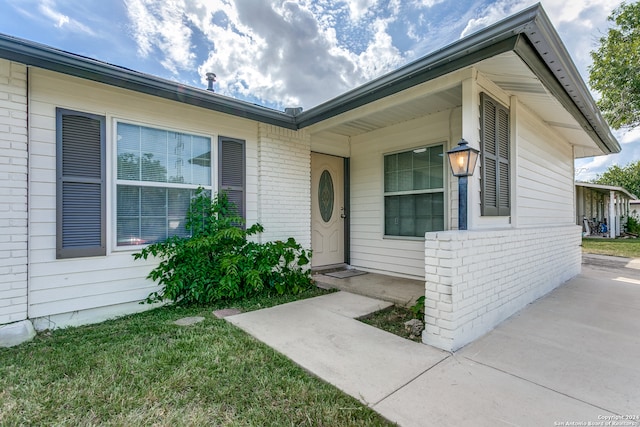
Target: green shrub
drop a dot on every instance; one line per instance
(418, 308)
(633, 224)
(218, 262)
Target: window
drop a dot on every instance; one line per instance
(414, 192)
(158, 172)
(80, 184)
(494, 149)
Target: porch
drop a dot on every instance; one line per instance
(602, 210)
(398, 290)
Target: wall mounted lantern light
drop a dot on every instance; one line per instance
(462, 160)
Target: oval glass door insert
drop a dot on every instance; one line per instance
(325, 196)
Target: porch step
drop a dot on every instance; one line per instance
(323, 269)
(400, 291)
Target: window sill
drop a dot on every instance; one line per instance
(129, 248)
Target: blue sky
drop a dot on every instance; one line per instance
(291, 53)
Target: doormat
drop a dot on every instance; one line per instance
(343, 274)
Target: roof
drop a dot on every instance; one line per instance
(528, 34)
(48, 58)
(601, 188)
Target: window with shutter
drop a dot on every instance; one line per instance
(80, 184)
(231, 171)
(158, 173)
(494, 142)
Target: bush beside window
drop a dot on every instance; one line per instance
(219, 262)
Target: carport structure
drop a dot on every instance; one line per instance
(598, 204)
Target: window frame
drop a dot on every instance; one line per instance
(441, 190)
(212, 187)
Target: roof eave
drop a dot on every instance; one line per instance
(48, 58)
(529, 34)
(491, 41)
(545, 54)
(606, 188)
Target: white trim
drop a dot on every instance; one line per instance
(159, 184)
(514, 155)
(470, 132)
(409, 192)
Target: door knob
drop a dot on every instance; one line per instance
(343, 215)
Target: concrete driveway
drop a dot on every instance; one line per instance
(570, 358)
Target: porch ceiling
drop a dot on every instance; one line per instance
(507, 71)
(510, 73)
(374, 119)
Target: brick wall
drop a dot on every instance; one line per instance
(13, 192)
(284, 184)
(477, 279)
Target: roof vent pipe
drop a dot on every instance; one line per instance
(211, 77)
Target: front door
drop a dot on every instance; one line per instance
(327, 209)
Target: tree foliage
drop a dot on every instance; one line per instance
(615, 72)
(219, 262)
(627, 177)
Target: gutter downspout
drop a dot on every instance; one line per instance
(28, 130)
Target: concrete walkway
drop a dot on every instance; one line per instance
(572, 356)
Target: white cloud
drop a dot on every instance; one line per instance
(580, 23)
(60, 20)
(494, 13)
(359, 8)
(304, 52)
(428, 3)
(628, 137)
(280, 53)
(573, 19)
(160, 25)
(381, 56)
(590, 168)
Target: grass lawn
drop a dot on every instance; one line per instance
(391, 320)
(144, 370)
(629, 248)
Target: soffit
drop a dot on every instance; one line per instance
(510, 73)
(397, 113)
(507, 71)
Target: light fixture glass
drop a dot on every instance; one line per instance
(462, 159)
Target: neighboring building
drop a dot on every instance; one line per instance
(98, 159)
(602, 210)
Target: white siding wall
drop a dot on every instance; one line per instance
(13, 192)
(330, 143)
(369, 249)
(541, 169)
(545, 190)
(284, 162)
(61, 288)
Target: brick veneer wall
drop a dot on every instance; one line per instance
(13, 192)
(477, 279)
(284, 184)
